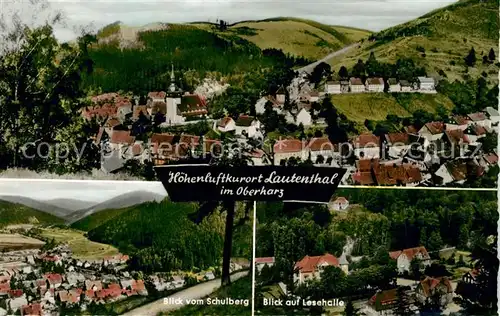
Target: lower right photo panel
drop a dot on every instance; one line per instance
(373, 251)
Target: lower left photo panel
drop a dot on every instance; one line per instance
(120, 248)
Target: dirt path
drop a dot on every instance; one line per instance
(194, 292)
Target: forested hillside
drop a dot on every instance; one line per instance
(163, 236)
(11, 213)
(194, 52)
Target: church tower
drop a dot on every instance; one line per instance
(174, 94)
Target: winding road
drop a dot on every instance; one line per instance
(195, 292)
(309, 68)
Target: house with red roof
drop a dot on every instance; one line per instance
(430, 287)
(383, 302)
(398, 144)
(375, 85)
(479, 118)
(356, 85)
(406, 256)
(55, 279)
(476, 132)
(432, 131)
(262, 262)
(309, 268)
(34, 309)
(226, 124)
(157, 96)
(285, 149)
(4, 289)
(366, 146)
(457, 122)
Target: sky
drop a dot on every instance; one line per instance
(374, 15)
(92, 191)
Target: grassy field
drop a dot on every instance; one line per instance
(82, 247)
(438, 41)
(299, 37)
(376, 106)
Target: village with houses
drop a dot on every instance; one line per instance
(35, 280)
(434, 280)
(160, 131)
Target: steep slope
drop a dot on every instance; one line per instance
(12, 213)
(119, 202)
(42, 206)
(299, 37)
(145, 64)
(161, 237)
(97, 219)
(438, 41)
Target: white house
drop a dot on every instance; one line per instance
(406, 86)
(426, 84)
(178, 281)
(321, 146)
(367, 146)
(479, 118)
(248, 125)
(394, 85)
(281, 95)
(406, 256)
(303, 117)
(339, 204)
(375, 85)
(333, 87)
(285, 149)
(263, 261)
(309, 268)
(14, 304)
(493, 115)
(226, 124)
(356, 85)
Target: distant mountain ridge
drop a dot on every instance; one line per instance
(119, 202)
(37, 205)
(72, 213)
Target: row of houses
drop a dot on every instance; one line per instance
(356, 85)
(172, 107)
(311, 267)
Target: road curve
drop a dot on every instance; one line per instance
(309, 68)
(194, 292)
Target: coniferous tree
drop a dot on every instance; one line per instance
(470, 59)
(492, 57)
(343, 73)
